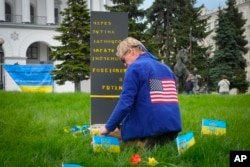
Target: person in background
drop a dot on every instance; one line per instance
(224, 85)
(195, 77)
(148, 111)
(189, 85)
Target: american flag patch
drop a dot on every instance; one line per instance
(163, 91)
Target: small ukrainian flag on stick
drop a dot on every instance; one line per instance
(184, 142)
(213, 127)
(106, 144)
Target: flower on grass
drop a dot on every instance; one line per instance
(66, 130)
(95, 132)
(152, 161)
(135, 159)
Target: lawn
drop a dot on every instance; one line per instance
(32, 132)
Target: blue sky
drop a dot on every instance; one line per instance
(209, 4)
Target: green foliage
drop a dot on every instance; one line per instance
(161, 17)
(136, 24)
(228, 57)
(74, 53)
(236, 18)
(32, 131)
(196, 34)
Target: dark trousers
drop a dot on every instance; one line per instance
(161, 139)
(147, 142)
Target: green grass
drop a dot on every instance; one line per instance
(32, 131)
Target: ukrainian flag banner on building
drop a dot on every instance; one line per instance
(213, 127)
(32, 78)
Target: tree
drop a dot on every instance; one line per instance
(175, 25)
(136, 24)
(74, 53)
(236, 18)
(161, 16)
(189, 29)
(228, 59)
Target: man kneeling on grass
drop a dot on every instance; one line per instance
(148, 109)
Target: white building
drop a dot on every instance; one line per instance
(27, 28)
(244, 7)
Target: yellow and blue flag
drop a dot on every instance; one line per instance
(106, 144)
(32, 78)
(213, 127)
(184, 142)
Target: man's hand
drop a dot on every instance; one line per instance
(103, 131)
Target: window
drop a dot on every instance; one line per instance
(50, 61)
(208, 26)
(32, 14)
(56, 16)
(32, 52)
(7, 12)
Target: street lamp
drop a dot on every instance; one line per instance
(190, 45)
(208, 53)
(1, 63)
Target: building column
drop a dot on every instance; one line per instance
(2, 10)
(102, 8)
(91, 6)
(96, 6)
(50, 11)
(26, 11)
(109, 3)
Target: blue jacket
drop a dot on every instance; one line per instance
(148, 103)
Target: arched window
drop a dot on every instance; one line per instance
(38, 52)
(32, 52)
(7, 12)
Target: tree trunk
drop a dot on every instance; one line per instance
(77, 86)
